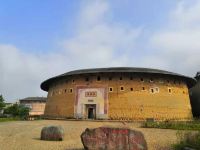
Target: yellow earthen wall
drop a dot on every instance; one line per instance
(138, 104)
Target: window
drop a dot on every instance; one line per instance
(151, 80)
(122, 88)
(110, 89)
(157, 89)
(141, 79)
(70, 90)
(98, 78)
(169, 90)
(86, 79)
(120, 78)
(154, 90)
(131, 89)
(65, 90)
(59, 92)
(143, 88)
(73, 81)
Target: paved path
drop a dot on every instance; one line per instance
(24, 135)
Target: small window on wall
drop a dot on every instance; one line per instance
(151, 80)
(169, 90)
(65, 90)
(110, 89)
(70, 90)
(98, 78)
(73, 81)
(143, 88)
(141, 79)
(152, 90)
(121, 88)
(157, 89)
(131, 89)
(120, 78)
(86, 79)
(59, 92)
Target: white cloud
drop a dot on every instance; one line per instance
(178, 42)
(98, 42)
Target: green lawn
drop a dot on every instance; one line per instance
(192, 125)
(8, 119)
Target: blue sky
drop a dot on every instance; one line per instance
(41, 39)
(37, 25)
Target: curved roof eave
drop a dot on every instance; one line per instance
(45, 85)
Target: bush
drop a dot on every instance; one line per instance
(187, 139)
(192, 125)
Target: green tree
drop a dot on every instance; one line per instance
(13, 110)
(2, 103)
(17, 110)
(23, 112)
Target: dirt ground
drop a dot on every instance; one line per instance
(25, 135)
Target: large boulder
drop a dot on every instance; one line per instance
(52, 133)
(106, 138)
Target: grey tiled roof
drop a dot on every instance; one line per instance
(45, 85)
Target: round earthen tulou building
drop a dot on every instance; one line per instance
(119, 94)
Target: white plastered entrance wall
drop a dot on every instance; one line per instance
(91, 96)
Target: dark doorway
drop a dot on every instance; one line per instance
(91, 111)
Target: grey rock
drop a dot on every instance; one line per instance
(52, 133)
(106, 138)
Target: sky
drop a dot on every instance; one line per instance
(42, 39)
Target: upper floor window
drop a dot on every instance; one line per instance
(110, 89)
(120, 78)
(73, 81)
(169, 90)
(143, 88)
(131, 89)
(151, 80)
(70, 90)
(98, 78)
(86, 79)
(122, 88)
(141, 79)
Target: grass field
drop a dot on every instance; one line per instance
(192, 125)
(8, 119)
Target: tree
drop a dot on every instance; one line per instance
(13, 110)
(2, 103)
(23, 112)
(17, 110)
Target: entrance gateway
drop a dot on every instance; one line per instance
(91, 103)
(91, 111)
